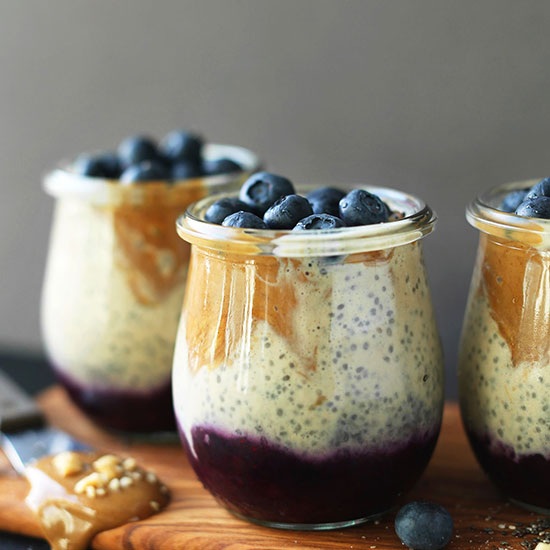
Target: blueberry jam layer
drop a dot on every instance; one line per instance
(124, 410)
(524, 477)
(267, 482)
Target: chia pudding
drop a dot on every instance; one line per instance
(505, 350)
(308, 375)
(114, 286)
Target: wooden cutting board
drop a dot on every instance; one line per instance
(194, 521)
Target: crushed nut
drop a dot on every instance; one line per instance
(114, 485)
(100, 492)
(136, 475)
(163, 489)
(106, 460)
(104, 478)
(92, 480)
(151, 477)
(67, 463)
(109, 465)
(129, 464)
(126, 482)
(155, 505)
(90, 491)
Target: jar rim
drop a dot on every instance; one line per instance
(419, 221)
(483, 214)
(62, 182)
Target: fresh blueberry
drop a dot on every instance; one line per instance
(111, 164)
(145, 171)
(91, 166)
(319, 221)
(325, 200)
(220, 166)
(424, 525)
(136, 149)
(262, 189)
(244, 219)
(182, 146)
(287, 211)
(359, 207)
(186, 170)
(536, 207)
(512, 200)
(219, 210)
(541, 189)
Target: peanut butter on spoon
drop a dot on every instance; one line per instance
(75, 495)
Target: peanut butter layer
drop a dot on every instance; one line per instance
(516, 279)
(76, 495)
(226, 291)
(153, 255)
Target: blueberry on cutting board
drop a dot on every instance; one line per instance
(424, 526)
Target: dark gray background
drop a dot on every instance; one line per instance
(440, 98)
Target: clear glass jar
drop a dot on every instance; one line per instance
(308, 375)
(113, 290)
(504, 363)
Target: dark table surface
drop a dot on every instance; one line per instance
(33, 374)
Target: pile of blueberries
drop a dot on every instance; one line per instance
(269, 201)
(139, 158)
(533, 202)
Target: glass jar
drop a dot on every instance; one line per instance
(308, 375)
(113, 290)
(504, 375)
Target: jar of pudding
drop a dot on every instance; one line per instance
(504, 365)
(308, 374)
(114, 286)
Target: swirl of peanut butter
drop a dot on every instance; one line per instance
(227, 290)
(515, 277)
(154, 258)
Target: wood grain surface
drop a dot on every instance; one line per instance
(194, 521)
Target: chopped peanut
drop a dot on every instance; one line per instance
(92, 480)
(114, 485)
(106, 460)
(67, 463)
(126, 482)
(109, 465)
(155, 505)
(151, 477)
(136, 475)
(90, 491)
(129, 464)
